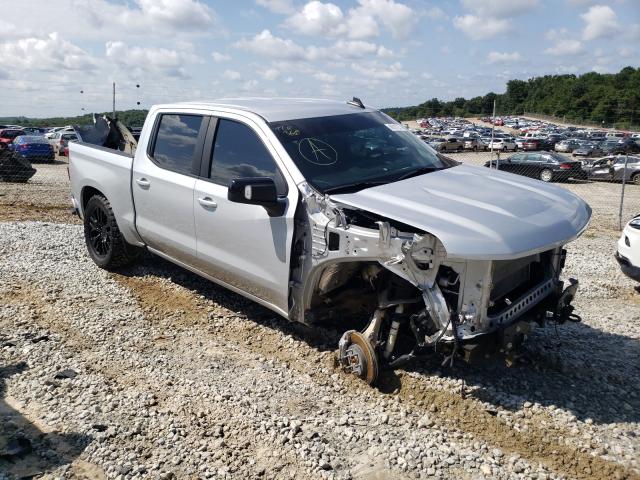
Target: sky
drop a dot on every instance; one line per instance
(60, 57)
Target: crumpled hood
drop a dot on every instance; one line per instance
(478, 213)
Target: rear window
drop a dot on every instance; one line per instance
(33, 139)
(176, 142)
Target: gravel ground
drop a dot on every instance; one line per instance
(156, 373)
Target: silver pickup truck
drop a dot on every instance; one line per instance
(332, 212)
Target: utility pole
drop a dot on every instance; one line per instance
(493, 124)
(114, 100)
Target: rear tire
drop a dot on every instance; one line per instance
(106, 245)
(546, 175)
(636, 179)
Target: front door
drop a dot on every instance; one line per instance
(240, 244)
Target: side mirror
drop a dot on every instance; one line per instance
(257, 191)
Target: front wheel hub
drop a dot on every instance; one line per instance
(357, 356)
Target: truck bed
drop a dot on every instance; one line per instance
(107, 171)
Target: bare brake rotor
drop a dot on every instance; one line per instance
(357, 356)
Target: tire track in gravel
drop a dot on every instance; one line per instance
(11, 212)
(160, 298)
(48, 317)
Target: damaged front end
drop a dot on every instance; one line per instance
(409, 296)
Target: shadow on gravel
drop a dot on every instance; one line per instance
(26, 451)
(591, 373)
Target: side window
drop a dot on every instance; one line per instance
(176, 142)
(239, 153)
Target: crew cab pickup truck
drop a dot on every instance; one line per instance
(327, 211)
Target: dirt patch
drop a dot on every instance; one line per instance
(162, 300)
(12, 212)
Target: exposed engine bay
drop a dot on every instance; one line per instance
(348, 263)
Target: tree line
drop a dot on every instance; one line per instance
(603, 99)
(131, 118)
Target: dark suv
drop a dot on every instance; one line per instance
(614, 146)
(546, 166)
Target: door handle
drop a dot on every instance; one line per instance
(143, 182)
(207, 202)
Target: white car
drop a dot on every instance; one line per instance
(628, 254)
(503, 144)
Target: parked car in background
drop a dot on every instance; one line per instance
(60, 140)
(545, 166)
(53, 131)
(567, 146)
(33, 148)
(628, 252)
(451, 144)
(14, 169)
(588, 150)
(625, 145)
(502, 144)
(612, 169)
(475, 144)
(532, 144)
(7, 136)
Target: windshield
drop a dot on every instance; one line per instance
(358, 148)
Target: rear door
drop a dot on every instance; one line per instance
(163, 180)
(239, 244)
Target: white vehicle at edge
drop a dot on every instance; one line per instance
(628, 254)
(328, 212)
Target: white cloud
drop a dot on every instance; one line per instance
(489, 18)
(378, 71)
(601, 21)
(479, 28)
(50, 52)
(384, 52)
(398, 18)
(426, 76)
(327, 19)
(277, 6)
(565, 47)
(9, 30)
(317, 18)
(266, 44)
(147, 16)
(232, 75)
(270, 74)
(354, 48)
(500, 8)
(220, 57)
(161, 60)
(360, 25)
(324, 77)
(503, 57)
(249, 85)
(179, 14)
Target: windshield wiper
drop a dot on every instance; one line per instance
(355, 187)
(417, 171)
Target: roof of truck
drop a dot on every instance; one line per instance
(278, 109)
